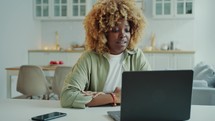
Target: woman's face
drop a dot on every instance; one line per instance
(118, 37)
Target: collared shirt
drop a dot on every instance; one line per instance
(90, 73)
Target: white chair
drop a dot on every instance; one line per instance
(32, 82)
(59, 77)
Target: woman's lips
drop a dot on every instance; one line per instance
(121, 42)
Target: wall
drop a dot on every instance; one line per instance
(187, 34)
(70, 32)
(18, 33)
(204, 31)
(180, 31)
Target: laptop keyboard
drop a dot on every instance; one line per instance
(115, 115)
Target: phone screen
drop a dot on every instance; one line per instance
(48, 116)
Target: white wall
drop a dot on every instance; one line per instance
(188, 34)
(204, 31)
(196, 34)
(180, 31)
(70, 32)
(18, 33)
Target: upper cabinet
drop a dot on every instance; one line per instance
(65, 9)
(42, 8)
(140, 4)
(61, 9)
(173, 8)
(184, 8)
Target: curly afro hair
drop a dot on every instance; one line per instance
(103, 17)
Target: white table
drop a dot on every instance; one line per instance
(23, 110)
(14, 71)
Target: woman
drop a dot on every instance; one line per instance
(113, 29)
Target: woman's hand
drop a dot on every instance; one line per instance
(93, 94)
(117, 93)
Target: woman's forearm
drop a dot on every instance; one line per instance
(102, 99)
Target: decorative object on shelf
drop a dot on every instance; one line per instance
(78, 47)
(171, 46)
(164, 46)
(57, 45)
(152, 45)
(53, 62)
(153, 40)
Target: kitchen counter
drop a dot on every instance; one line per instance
(145, 51)
(158, 59)
(169, 51)
(69, 51)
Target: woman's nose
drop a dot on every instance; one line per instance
(122, 34)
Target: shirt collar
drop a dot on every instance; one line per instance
(127, 52)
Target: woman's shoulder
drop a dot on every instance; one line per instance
(135, 51)
(89, 54)
(138, 50)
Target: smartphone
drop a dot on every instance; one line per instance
(48, 116)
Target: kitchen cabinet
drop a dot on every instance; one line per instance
(61, 9)
(140, 4)
(162, 60)
(173, 8)
(42, 9)
(40, 57)
(65, 9)
(78, 7)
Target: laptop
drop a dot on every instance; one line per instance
(155, 96)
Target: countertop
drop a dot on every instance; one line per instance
(145, 51)
(56, 51)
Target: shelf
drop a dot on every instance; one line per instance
(72, 51)
(168, 51)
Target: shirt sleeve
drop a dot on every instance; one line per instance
(141, 61)
(75, 82)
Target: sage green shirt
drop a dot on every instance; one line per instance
(90, 73)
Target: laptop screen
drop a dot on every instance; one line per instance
(156, 95)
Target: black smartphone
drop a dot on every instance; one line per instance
(48, 116)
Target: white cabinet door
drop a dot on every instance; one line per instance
(163, 61)
(166, 61)
(61, 9)
(160, 61)
(184, 8)
(43, 58)
(149, 57)
(162, 8)
(37, 58)
(173, 8)
(71, 58)
(42, 9)
(184, 61)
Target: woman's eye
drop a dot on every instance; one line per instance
(127, 30)
(115, 30)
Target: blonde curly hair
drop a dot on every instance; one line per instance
(103, 17)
